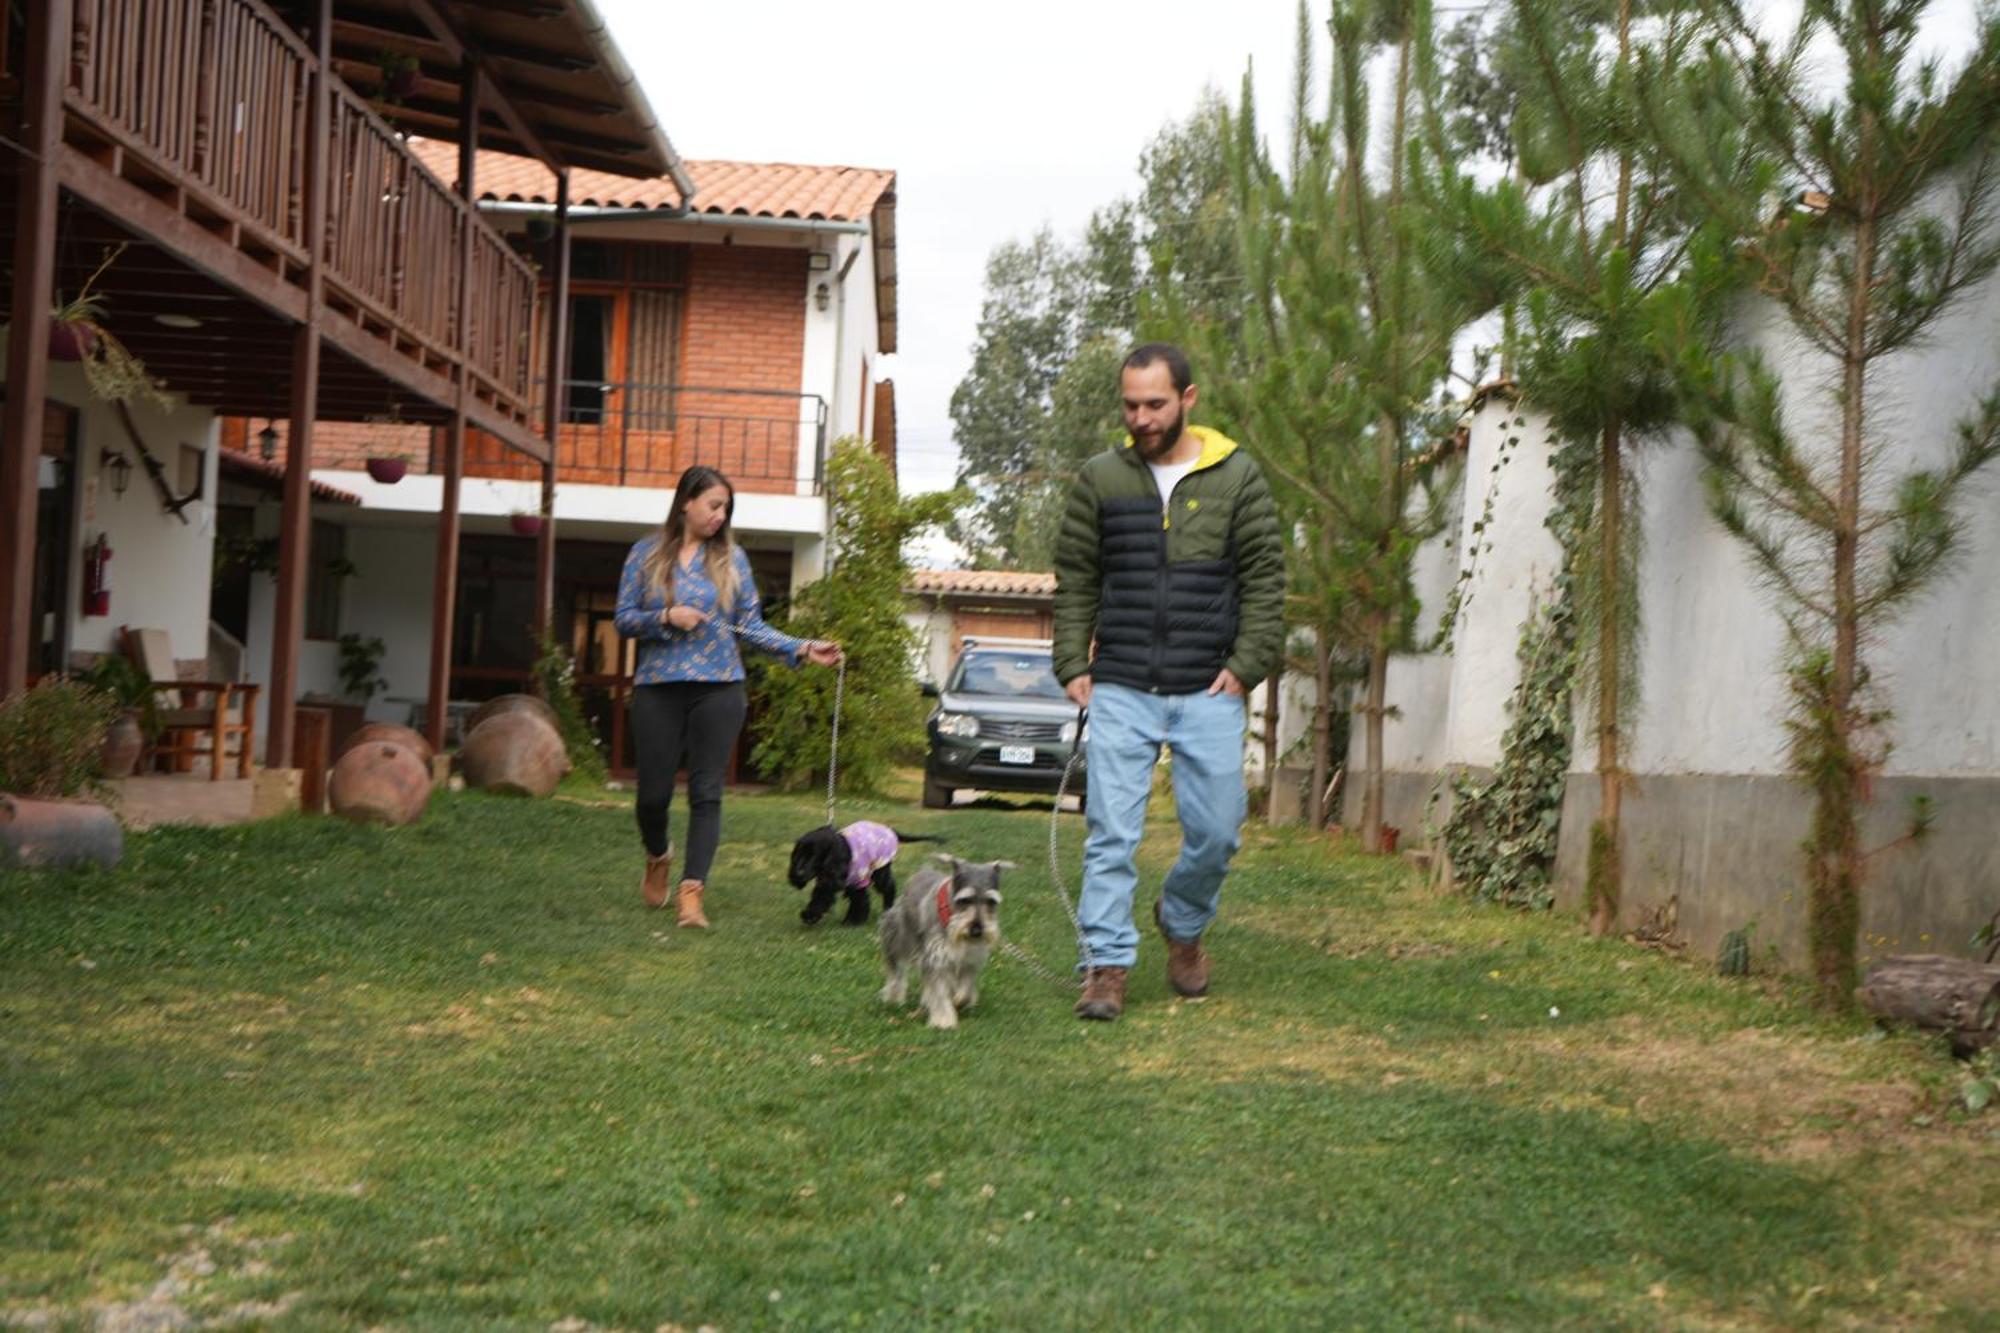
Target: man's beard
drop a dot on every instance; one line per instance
(1169, 437)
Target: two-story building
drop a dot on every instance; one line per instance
(743, 328)
(232, 182)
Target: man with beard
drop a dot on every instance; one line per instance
(1170, 590)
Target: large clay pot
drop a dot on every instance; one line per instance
(380, 783)
(395, 734)
(57, 833)
(515, 753)
(511, 703)
(123, 743)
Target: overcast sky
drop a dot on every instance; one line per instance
(995, 118)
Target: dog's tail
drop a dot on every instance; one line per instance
(917, 837)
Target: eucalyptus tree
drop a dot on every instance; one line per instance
(1865, 218)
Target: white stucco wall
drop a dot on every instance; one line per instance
(1713, 697)
(159, 569)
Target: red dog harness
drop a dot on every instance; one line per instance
(944, 904)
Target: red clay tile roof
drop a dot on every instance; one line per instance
(742, 189)
(1011, 583)
(246, 467)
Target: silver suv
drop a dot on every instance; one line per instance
(1002, 723)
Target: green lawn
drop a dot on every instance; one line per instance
(301, 1074)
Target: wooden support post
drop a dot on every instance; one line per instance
(552, 406)
(295, 527)
(47, 52)
(315, 737)
(444, 583)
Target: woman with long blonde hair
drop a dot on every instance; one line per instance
(686, 597)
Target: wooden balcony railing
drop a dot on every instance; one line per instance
(215, 91)
(212, 95)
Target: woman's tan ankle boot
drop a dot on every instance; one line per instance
(691, 916)
(658, 884)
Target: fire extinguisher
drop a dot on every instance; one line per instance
(97, 578)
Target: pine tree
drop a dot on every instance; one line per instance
(1586, 234)
(1865, 218)
(1331, 376)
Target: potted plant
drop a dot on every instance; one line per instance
(360, 667)
(388, 468)
(51, 746)
(77, 333)
(400, 72)
(138, 718)
(525, 523)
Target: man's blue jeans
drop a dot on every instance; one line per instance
(1204, 733)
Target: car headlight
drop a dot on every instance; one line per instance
(1070, 733)
(964, 726)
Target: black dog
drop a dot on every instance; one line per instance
(847, 861)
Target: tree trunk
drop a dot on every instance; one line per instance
(1313, 808)
(1606, 863)
(1271, 692)
(1373, 711)
(1835, 880)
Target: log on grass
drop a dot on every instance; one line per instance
(1956, 995)
(380, 783)
(516, 754)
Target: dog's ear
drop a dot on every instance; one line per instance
(1005, 865)
(945, 859)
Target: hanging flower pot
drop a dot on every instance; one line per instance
(399, 78)
(528, 525)
(70, 340)
(388, 470)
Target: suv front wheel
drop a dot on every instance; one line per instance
(937, 796)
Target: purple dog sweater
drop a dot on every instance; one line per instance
(873, 846)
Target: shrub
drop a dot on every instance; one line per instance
(51, 738)
(555, 681)
(861, 607)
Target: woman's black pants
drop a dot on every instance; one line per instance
(693, 723)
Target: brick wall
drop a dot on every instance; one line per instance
(744, 329)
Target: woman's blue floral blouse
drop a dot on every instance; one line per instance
(708, 652)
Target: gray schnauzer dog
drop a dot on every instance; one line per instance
(944, 924)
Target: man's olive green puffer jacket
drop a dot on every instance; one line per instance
(1170, 597)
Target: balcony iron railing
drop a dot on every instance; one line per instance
(628, 434)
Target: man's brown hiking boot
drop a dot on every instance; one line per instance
(1187, 961)
(1103, 994)
(658, 885)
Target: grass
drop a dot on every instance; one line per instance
(301, 1074)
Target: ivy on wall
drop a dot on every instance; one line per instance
(1501, 834)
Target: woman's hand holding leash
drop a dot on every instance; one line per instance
(822, 652)
(683, 617)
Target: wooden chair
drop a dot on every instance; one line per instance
(193, 710)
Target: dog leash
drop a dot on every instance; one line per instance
(1072, 979)
(833, 757)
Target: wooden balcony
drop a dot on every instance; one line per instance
(186, 124)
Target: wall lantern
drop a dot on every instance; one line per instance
(822, 297)
(118, 467)
(267, 442)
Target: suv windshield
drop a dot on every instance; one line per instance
(1019, 675)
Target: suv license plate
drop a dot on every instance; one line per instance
(1017, 754)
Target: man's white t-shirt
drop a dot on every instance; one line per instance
(1167, 475)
